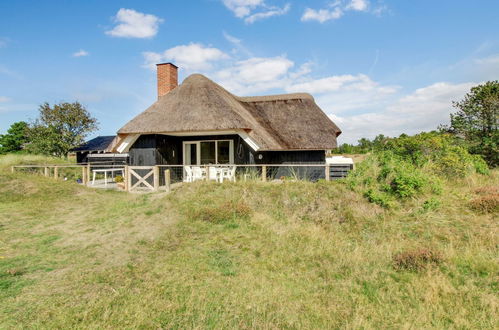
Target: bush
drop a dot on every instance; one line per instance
(378, 198)
(416, 259)
(410, 166)
(480, 164)
(407, 184)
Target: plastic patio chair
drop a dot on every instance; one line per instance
(228, 173)
(189, 174)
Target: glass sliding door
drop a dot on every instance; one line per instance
(223, 152)
(208, 152)
(190, 153)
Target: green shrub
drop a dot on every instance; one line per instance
(480, 165)
(377, 197)
(431, 204)
(407, 185)
(410, 166)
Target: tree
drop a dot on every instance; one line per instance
(16, 137)
(477, 121)
(60, 128)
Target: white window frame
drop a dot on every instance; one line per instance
(198, 150)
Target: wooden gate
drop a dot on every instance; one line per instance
(142, 178)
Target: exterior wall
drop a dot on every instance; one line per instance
(153, 149)
(291, 157)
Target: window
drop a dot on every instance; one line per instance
(208, 152)
(223, 152)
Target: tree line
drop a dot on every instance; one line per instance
(474, 126)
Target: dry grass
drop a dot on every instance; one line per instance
(245, 255)
(487, 200)
(416, 259)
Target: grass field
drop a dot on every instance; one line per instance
(244, 255)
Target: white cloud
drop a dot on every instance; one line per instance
(338, 8)
(244, 9)
(358, 5)
(232, 39)
(422, 110)
(346, 82)
(341, 93)
(255, 75)
(133, 24)
(321, 15)
(81, 53)
(238, 44)
(190, 57)
(273, 11)
(4, 99)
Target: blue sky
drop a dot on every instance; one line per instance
(373, 66)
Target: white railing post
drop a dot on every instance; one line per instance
(328, 172)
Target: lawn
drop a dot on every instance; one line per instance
(244, 255)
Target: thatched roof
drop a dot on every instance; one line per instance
(276, 122)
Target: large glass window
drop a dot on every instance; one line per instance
(208, 153)
(223, 152)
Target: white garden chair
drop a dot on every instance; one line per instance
(228, 173)
(197, 173)
(214, 173)
(189, 177)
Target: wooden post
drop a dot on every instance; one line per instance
(128, 179)
(264, 173)
(207, 168)
(56, 172)
(167, 180)
(84, 175)
(328, 172)
(12, 169)
(125, 177)
(88, 172)
(155, 174)
(46, 171)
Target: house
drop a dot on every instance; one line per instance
(99, 150)
(199, 122)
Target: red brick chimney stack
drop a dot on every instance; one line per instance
(167, 78)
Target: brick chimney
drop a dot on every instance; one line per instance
(167, 78)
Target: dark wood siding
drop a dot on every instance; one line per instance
(153, 149)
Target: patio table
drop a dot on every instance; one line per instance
(112, 170)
